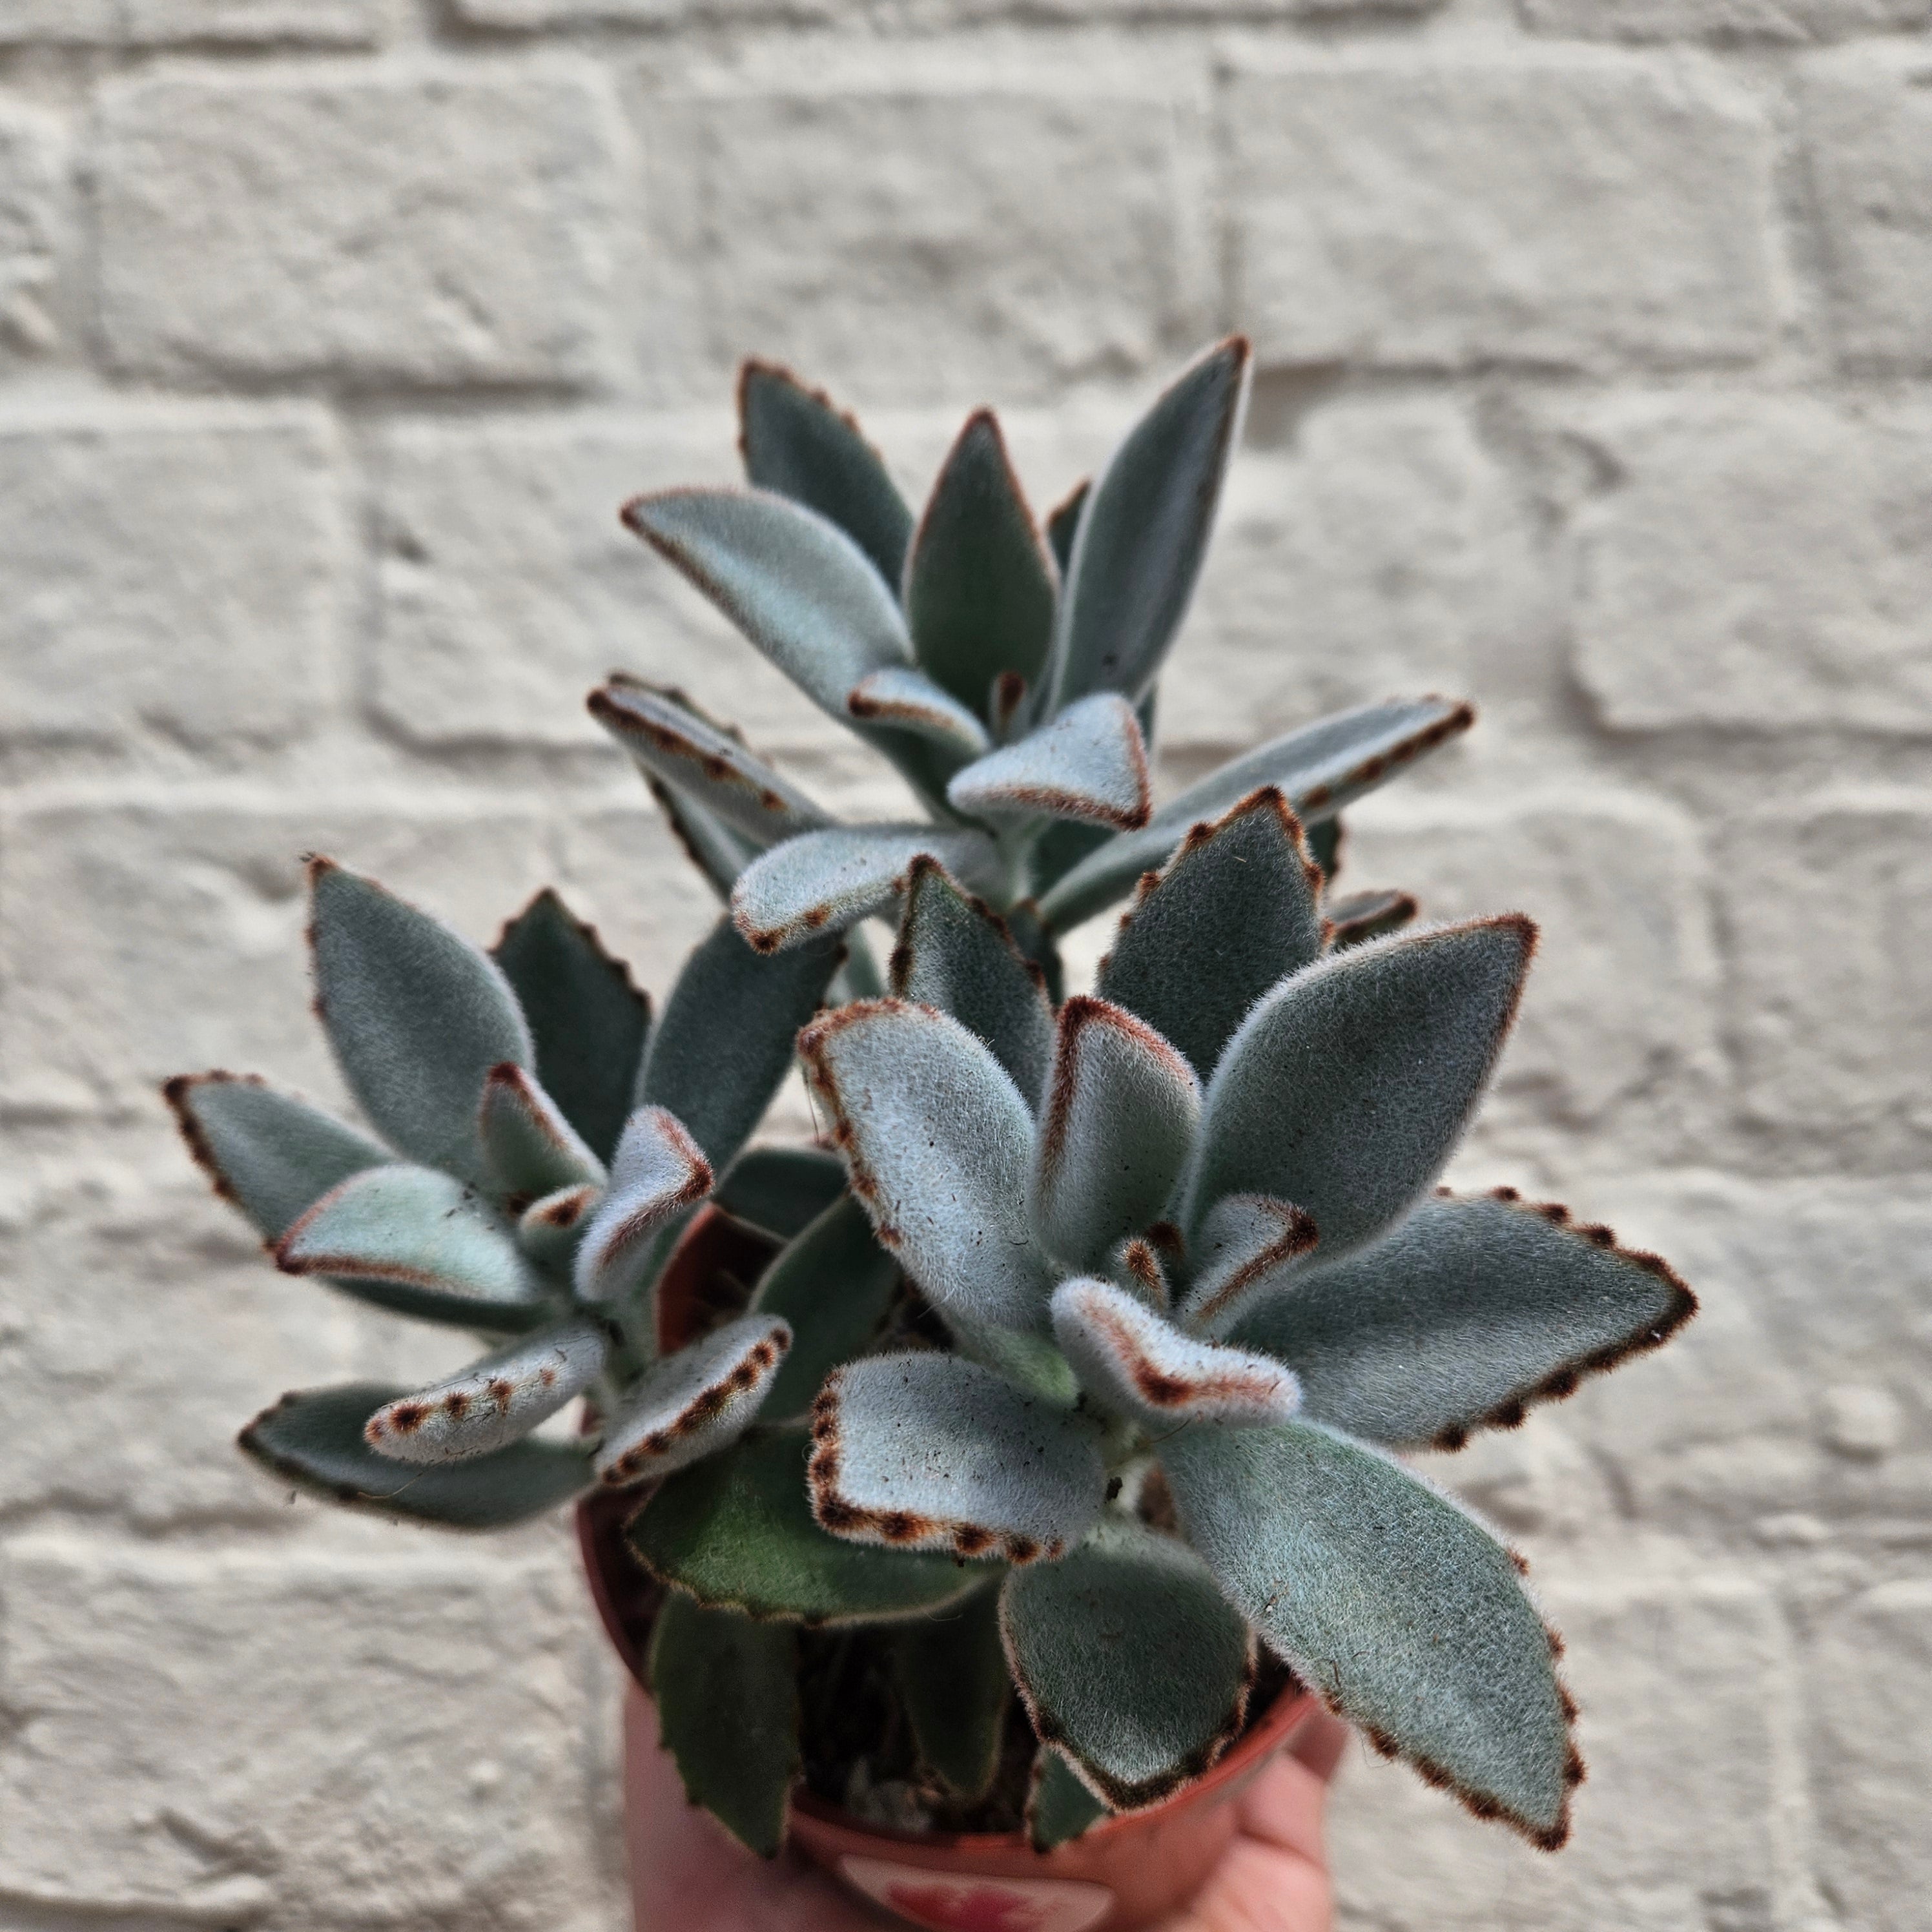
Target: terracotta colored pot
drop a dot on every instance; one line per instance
(1122, 1874)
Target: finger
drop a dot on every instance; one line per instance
(1282, 1809)
(1258, 1888)
(1318, 1742)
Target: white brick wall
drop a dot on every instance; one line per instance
(1595, 340)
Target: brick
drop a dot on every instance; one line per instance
(1445, 214)
(508, 586)
(1864, 133)
(1814, 1296)
(1621, 998)
(1721, 20)
(32, 187)
(1869, 1690)
(138, 941)
(1754, 560)
(221, 22)
(372, 230)
(1384, 550)
(185, 574)
(904, 241)
(318, 1740)
(1834, 1009)
(1673, 1831)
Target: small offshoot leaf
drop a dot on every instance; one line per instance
(532, 1149)
(1361, 917)
(1348, 1086)
(417, 1017)
(695, 1402)
(1404, 1613)
(314, 1438)
(1468, 1313)
(930, 1451)
(1129, 1659)
(496, 1401)
(1138, 1364)
(1088, 763)
(937, 1140)
(909, 701)
(1247, 1245)
(658, 1170)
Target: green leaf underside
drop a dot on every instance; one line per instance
(1130, 1660)
(1063, 524)
(417, 1017)
(1348, 1086)
(1234, 910)
(727, 1694)
(1467, 1311)
(781, 1191)
(1401, 1610)
(274, 1155)
(1143, 532)
(718, 852)
(955, 954)
(979, 589)
(421, 1229)
(1115, 1134)
(1362, 916)
(736, 1530)
(1325, 846)
(1088, 763)
(314, 1438)
(676, 744)
(1318, 770)
(932, 1451)
(724, 1041)
(825, 881)
(834, 1284)
(937, 1140)
(1060, 1808)
(951, 1672)
(796, 441)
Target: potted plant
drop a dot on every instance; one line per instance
(983, 1493)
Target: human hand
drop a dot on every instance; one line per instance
(689, 1876)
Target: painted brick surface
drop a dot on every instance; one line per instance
(1593, 384)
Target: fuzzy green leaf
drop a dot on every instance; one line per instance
(587, 1020)
(1234, 910)
(1469, 1311)
(1060, 1808)
(1318, 769)
(726, 1693)
(937, 1140)
(909, 701)
(416, 1014)
(797, 441)
(1115, 1133)
(795, 584)
(827, 881)
(725, 1042)
(1130, 1660)
(547, 1229)
(426, 1232)
(955, 953)
(980, 588)
(718, 852)
(781, 1191)
(735, 1531)
(1348, 1086)
(951, 1672)
(314, 1438)
(532, 1149)
(930, 1451)
(670, 740)
(1135, 1363)
(1143, 532)
(274, 1157)
(834, 1284)
(695, 1402)
(1247, 1246)
(493, 1403)
(1063, 524)
(1362, 916)
(1325, 846)
(1087, 763)
(658, 1172)
(1398, 1607)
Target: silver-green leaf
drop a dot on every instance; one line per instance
(908, 700)
(1087, 763)
(695, 1402)
(659, 1171)
(532, 1149)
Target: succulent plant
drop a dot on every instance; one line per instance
(543, 1144)
(1008, 672)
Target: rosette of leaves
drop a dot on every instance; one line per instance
(541, 1144)
(1198, 1287)
(1008, 670)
